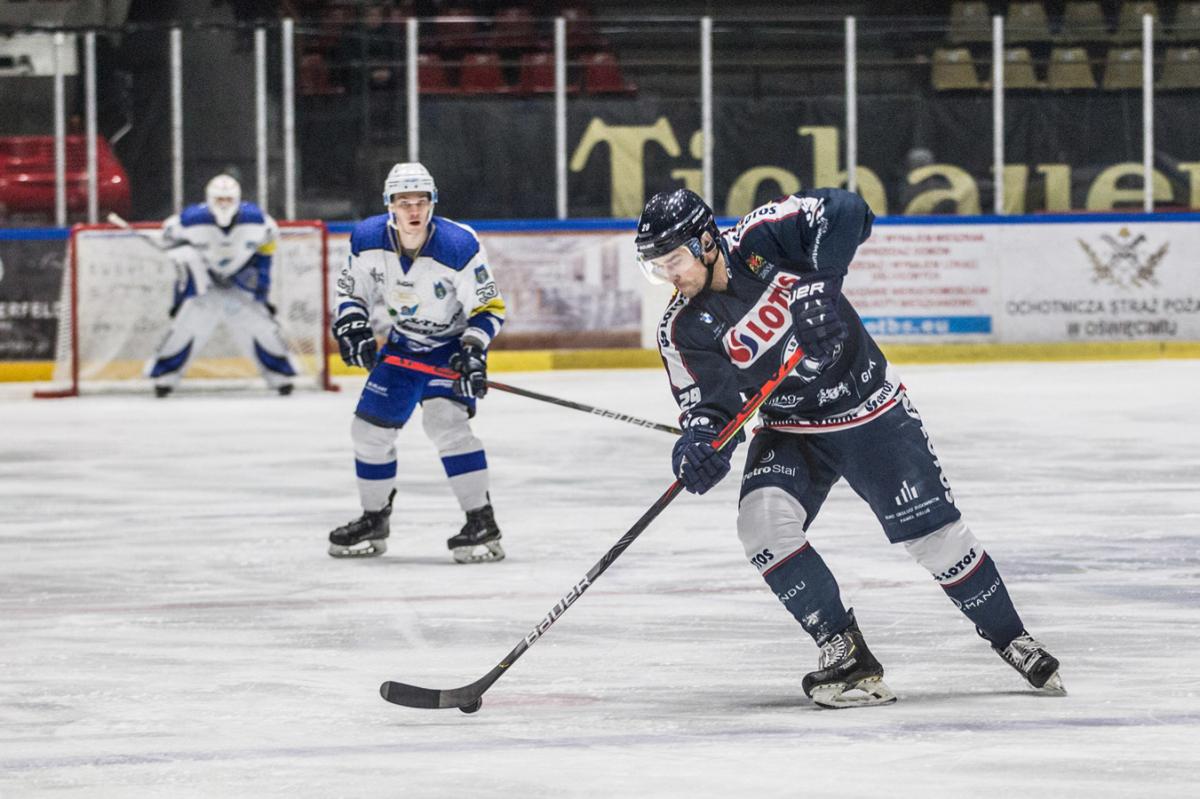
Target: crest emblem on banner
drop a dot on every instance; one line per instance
(1125, 264)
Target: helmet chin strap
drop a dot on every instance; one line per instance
(710, 266)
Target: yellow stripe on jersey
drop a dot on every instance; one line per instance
(268, 248)
(494, 306)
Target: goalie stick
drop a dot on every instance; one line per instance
(469, 698)
(149, 238)
(439, 371)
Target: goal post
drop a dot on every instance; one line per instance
(117, 292)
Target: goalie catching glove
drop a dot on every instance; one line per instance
(356, 340)
(471, 365)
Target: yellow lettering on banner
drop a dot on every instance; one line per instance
(1193, 172)
(626, 146)
(693, 178)
(962, 190)
(1016, 184)
(826, 141)
(745, 187)
(1058, 186)
(1103, 195)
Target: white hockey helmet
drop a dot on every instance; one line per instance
(406, 177)
(223, 196)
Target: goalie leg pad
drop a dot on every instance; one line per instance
(374, 462)
(189, 332)
(447, 423)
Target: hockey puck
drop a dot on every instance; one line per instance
(471, 708)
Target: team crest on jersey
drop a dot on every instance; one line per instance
(763, 326)
(481, 274)
(439, 290)
(755, 262)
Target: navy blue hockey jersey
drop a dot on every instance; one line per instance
(720, 346)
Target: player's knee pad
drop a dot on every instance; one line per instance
(950, 553)
(447, 423)
(770, 526)
(372, 443)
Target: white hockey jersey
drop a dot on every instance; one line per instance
(447, 291)
(238, 256)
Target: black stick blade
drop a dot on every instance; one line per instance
(468, 696)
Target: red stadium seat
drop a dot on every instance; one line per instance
(27, 176)
(482, 74)
(602, 75)
(432, 77)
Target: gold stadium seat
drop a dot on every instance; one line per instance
(1026, 22)
(1181, 69)
(1083, 21)
(1018, 69)
(1123, 68)
(1129, 21)
(1069, 69)
(954, 69)
(970, 21)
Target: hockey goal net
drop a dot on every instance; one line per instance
(117, 290)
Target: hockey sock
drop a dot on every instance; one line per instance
(808, 590)
(468, 478)
(983, 599)
(375, 482)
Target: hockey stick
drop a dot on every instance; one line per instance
(469, 698)
(114, 219)
(439, 371)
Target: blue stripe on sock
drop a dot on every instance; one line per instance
(171, 363)
(374, 471)
(461, 464)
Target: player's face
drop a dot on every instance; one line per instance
(682, 270)
(411, 211)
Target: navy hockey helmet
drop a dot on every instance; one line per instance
(673, 219)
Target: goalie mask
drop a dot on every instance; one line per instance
(670, 220)
(407, 178)
(223, 197)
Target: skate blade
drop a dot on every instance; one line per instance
(488, 552)
(1054, 686)
(363, 549)
(866, 693)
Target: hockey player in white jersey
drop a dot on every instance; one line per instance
(431, 275)
(222, 250)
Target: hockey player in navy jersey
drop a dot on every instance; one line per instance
(745, 300)
(222, 251)
(432, 277)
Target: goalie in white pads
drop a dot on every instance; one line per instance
(222, 250)
(431, 275)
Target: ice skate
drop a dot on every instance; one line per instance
(847, 674)
(1033, 662)
(162, 391)
(479, 539)
(365, 537)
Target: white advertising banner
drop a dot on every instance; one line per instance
(926, 281)
(1122, 280)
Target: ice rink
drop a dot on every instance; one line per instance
(171, 625)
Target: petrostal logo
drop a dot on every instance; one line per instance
(1124, 264)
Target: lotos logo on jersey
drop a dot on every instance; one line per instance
(764, 325)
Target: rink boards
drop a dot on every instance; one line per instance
(929, 288)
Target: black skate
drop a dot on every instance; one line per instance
(479, 539)
(162, 391)
(365, 537)
(847, 665)
(1033, 662)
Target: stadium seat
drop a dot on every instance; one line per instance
(1129, 22)
(970, 21)
(1026, 22)
(514, 29)
(602, 75)
(1083, 21)
(1018, 69)
(313, 76)
(27, 176)
(1181, 69)
(482, 73)
(1069, 69)
(1123, 69)
(432, 77)
(1185, 27)
(536, 75)
(954, 69)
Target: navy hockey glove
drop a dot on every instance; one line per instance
(819, 328)
(471, 365)
(356, 340)
(697, 465)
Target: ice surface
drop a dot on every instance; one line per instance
(170, 624)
